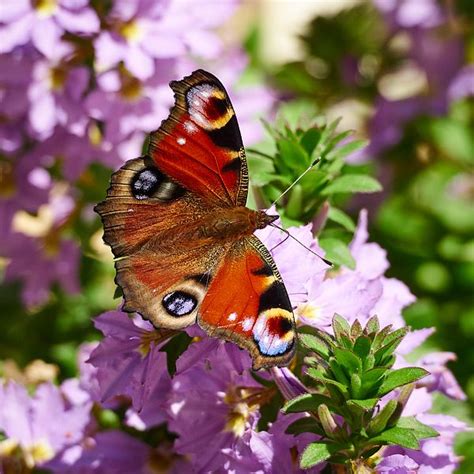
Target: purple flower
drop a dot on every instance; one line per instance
(44, 23)
(287, 251)
(128, 106)
(441, 379)
(129, 360)
(358, 293)
(408, 14)
(56, 97)
(462, 85)
(213, 408)
(39, 265)
(143, 31)
(40, 426)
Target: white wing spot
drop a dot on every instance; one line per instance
(247, 324)
(181, 141)
(232, 316)
(190, 127)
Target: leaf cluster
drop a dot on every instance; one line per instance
(310, 161)
(349, 374)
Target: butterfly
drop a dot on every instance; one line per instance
(182, 238)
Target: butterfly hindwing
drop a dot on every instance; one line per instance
(247, 303)
(199, 145)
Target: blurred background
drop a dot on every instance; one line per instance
(80, 92)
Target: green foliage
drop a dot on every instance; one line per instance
(350, 373)
(310, 162)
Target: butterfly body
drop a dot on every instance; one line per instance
(182, 237)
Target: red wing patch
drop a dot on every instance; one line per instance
(247, 303)
(199, 145)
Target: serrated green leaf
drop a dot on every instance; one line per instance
(367, 404)
(320, 377)
(399, 436)
(348, 148)
(362, 347)
(316, 453)
(400, 377)
(356, 385)
(340, 217)
(352, 183)
(380, 337)
(379, 422)
(389, 347)
(356, 329)
(347, 359)
(372, 325)
(315, 344)
(372, 379)
(369, 362)
(420, 430)
(337, 371)
(305, 425)
(305, 402)
(337, 252)
(340, 326)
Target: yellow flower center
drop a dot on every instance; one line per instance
(46, 8)
(131, 31)
(39, 452)
(131, 89)
(308, 311)
(57, 78)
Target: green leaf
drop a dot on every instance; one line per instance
(372, 379)
(366, 405)
(316, 453)
(340, 326)
(356, 385)
(372, 325)
(305, 402)
(399, 436)
(305, 425)
(356, 329)
(348, 148)
(337, 371)
(362, 347)
(400, 377)
(347, 359)
(315, 344)
(352, 183)
(391, 343)
(337, 252)
(380, 337)
(320, 377)
(340, 217)
(379, 422)
(294, 206)
(420, 430)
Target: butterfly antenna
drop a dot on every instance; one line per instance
(327, 262)
(310, 167)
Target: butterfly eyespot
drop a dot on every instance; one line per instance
(179, 303)
(274, 332)
(146, 182)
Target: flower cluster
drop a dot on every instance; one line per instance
(83, 82)
(222, 416)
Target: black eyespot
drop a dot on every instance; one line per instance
(179, 303)
(146, 182)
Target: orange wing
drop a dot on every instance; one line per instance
(199, 145)
(247, 303)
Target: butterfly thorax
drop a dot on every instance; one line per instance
(233, 223)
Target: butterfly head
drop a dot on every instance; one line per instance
(263, 219)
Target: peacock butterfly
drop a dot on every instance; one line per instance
(182, 237)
